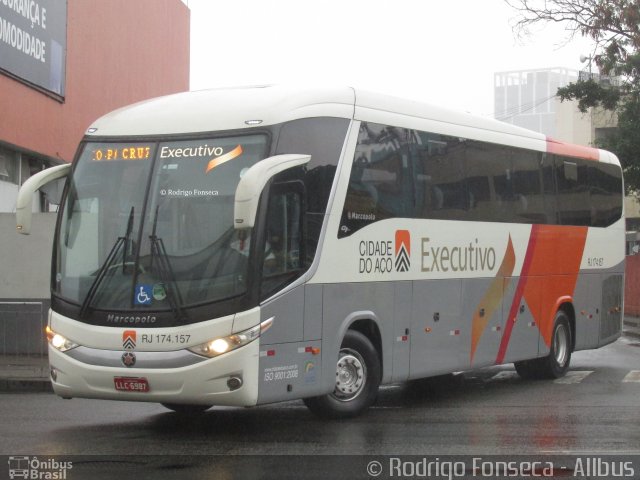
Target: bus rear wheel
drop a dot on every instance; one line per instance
(358, 375)
(556, 364)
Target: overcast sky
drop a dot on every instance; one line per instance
(444, 52)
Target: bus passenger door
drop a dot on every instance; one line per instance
(282, 262)
(436, 328)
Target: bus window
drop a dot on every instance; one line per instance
(528, 198)
(548, 175)
(574, 204)
(380, 185)
(322, 138)
(481, 169)
(440, 178)
(605, 183)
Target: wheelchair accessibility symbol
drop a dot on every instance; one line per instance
(143, 295)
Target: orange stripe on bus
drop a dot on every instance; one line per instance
(216, 162)
(560, 148)
(492, 298)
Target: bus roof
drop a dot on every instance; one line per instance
(225, 109)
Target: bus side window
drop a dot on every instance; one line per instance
(574, 202)
(529, 206)
(440, 183)
(605, 184)
(380, 184)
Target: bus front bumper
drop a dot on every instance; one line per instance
(230, 379)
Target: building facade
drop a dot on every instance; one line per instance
(63, 63)
(527, 98)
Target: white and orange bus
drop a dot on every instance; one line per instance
(253, 245)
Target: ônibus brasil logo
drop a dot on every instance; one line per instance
(385, 256)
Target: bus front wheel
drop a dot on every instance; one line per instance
(358, 374)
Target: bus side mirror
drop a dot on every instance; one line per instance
(252, 183)
(25, 195)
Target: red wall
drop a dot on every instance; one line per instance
(632, 286)
(118, 52)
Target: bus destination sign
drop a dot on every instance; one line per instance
(127, 152)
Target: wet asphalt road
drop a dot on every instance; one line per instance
(594, 410)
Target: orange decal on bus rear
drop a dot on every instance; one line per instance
(554, 253)
(557, 257)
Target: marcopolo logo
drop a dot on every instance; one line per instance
(385, 256)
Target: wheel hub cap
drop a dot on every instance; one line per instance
(561, 345)
(350, 376)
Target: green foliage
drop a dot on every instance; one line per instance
(590, 93)
(625, 141)
(614, 26)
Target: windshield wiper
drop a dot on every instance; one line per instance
(165, 271)
(104, 268)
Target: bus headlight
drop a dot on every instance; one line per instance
(221, 345)
(59, 342)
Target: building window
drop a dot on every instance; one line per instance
(9, 171)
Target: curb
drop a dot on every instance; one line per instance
(634, 333)
(631, 327)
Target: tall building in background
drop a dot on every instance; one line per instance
(64, 63)
(527, 98)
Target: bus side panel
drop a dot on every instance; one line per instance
(436, 326)
(289, 371)
(287, 311)
(482, 300)
(402, 331)
(290, 366)
(587, 305)
(612, 308)
(312, 312)
(525, 333)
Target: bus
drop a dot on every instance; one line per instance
(243, 246)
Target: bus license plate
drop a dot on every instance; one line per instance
(131, 384)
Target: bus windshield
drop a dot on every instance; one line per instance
(149, 225)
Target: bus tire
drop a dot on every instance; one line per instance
(184, 409)
(358, 374)
(556, 364)
(526, 369)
